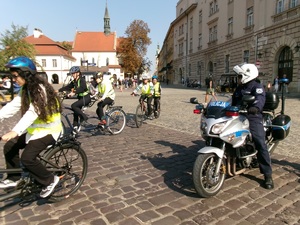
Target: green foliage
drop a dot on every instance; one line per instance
(13, 44)
(67, 45)
(133, 48)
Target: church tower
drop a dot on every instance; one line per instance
(106, 21)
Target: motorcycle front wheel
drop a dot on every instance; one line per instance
(205, 182)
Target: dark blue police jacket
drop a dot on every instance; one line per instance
(251, 88)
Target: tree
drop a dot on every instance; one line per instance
(133, 48)
(67, 45)
(13, 44)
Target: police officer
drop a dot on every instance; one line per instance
(247, 74)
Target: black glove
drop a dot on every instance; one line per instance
(253, 110)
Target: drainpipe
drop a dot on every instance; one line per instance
(186, 56)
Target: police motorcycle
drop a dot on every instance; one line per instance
(229, 149)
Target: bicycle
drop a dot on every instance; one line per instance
(114, 115)
(66, 159)
(142, 110)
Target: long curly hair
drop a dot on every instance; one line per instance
(45, 101)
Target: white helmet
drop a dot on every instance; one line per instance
(145, 77)
(248, 71)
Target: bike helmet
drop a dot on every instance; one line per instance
(247, 71)
(145, 77)
(23, 63)
(74, 69)
(154, 77)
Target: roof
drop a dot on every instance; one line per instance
(46, 46)
(94, 42)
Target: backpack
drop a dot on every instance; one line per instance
(92, 90)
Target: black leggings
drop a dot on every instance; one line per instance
(77, 106)
(28, 157)
(149, 101)
(101, 105)
(156, 103)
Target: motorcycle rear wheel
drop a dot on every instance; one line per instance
(205, 183)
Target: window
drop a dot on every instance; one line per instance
(107, 61)
(191, 23)
(280, 6)
(216, 6)
(200, 16)
(246, 56)
(293, 3)
(213, 33)
(213, 7)
(44, 64)
(191, 44)
(230, 26)
(181, 29)
(190, 70)
(200, 41)
(227, 59)
(249, 16)
(54, 63)
(180, 48)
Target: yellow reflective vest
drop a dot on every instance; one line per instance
(52, 125)
(157, 89)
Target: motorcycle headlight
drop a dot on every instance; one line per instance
(217, 128)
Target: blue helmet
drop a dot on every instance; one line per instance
(74, 69)
(154, 77)
(23, 63)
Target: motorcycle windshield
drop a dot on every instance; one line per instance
(216, 109)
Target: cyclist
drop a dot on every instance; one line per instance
(78, 86)
(147, 90)
(107, 93)
(39, 126)
(157, 94)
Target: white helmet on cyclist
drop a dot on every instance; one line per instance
(145, 77)
(247, 71)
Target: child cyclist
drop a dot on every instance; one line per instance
(106, 91)
(147, 90)
(39, 126)
(156, 95)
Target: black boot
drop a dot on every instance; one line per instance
(269, 184)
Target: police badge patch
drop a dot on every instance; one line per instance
(259, 90)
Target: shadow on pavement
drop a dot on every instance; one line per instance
(178, 165)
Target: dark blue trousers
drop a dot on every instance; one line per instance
(259, 135)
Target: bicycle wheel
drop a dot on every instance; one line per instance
(140, 115)
(72, 159)
(116, 121)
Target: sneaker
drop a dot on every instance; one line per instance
(76, 129)
(49, 189)
(8, 183)
(102, 122)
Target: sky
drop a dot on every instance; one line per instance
(59, 19)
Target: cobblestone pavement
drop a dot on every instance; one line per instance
(143, 176)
